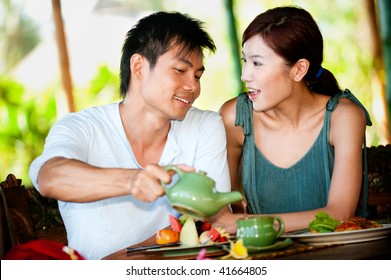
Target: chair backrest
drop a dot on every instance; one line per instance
(379, 181)
(5, 238)
(17, 212)
(25, 215)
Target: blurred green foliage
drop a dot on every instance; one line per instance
(25, 122)
(103, 88)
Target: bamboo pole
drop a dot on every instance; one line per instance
(234, 44)
(63, 54)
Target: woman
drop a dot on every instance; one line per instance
(295, 135)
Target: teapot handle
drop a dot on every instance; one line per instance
(174, 168)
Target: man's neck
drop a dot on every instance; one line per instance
(146, 133)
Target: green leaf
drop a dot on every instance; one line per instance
(323, 223)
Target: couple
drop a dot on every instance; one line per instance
(297, 134)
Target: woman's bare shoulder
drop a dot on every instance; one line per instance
(347, 110)
(348, 122)
(228, 110)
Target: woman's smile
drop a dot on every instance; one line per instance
(253, 94)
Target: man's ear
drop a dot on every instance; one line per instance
(300, 69)
(136, 65)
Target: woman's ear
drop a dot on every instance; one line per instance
(300, 69)
(136, 65)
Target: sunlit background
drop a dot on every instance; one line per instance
(31, 89)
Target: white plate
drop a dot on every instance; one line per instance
(342, 237)
(218, 245)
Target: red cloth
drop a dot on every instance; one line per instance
(42, 250)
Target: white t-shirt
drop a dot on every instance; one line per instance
(96, 136)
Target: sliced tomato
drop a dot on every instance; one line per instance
(175, 224)
(206, 226)
(222, 239)
(213, 234)
(165, 236)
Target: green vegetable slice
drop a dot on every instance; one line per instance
(323, 223)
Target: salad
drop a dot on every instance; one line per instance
(324, 223)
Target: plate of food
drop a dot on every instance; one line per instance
(325, 230)
(187, 236)
(215, 246)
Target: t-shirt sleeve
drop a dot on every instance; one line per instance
(67, 138)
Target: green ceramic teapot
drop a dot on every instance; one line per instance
(194, 194)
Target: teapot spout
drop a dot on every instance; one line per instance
(227, 198)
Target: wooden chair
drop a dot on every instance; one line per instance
(379, 181)
(27, 216)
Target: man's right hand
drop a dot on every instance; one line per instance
(146, 184)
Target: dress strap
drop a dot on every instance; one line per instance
(333, 102)
(244, 116)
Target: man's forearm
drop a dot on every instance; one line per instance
(72, 180)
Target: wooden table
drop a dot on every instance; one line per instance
(370, 250)
(377, 249)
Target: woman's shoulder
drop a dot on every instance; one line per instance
(229, 105)
(348, 122)
(228, 110)
(347, 106)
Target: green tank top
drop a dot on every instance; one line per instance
(303, 186)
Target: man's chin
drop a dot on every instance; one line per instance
(181, 116)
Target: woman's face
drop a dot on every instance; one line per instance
(265, 74)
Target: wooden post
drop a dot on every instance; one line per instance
(63, 54)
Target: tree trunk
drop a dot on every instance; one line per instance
(63, 54)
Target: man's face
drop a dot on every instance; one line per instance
(172, 86)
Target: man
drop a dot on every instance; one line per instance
(105, 164)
